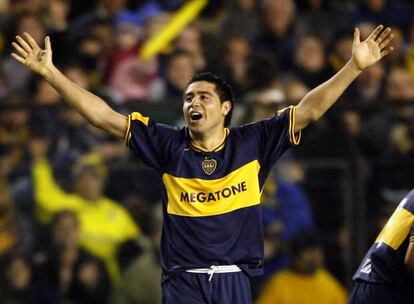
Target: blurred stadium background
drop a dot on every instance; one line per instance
(80, 217)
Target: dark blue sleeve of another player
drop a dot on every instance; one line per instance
(151, 141)
(275, 135)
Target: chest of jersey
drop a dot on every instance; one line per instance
(206, 197)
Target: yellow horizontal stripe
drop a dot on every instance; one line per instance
(396, 229)
(196, 197)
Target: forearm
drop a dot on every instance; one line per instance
(90, 106)
(49, 197)
(320, 99)
(44, 184)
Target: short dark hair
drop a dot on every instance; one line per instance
(223, 90)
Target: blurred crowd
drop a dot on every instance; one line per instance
(80, 218)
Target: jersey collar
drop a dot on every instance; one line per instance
(215, 149)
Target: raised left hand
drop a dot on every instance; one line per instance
(373, 49)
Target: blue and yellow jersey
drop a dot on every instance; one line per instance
(384, 262)
(211, 200)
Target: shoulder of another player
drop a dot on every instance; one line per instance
(408, 202)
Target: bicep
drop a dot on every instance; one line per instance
(302, 117)
(114, 123)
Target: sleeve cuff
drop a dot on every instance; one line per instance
(294, 138)
(127, 136)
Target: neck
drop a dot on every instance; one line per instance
(210, 141)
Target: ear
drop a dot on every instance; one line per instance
(226, 107)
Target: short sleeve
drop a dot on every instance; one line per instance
(276, 135)
(412, 234)
(149, 140)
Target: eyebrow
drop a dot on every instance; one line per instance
(198, 92)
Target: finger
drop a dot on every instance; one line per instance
(386, 51)
(23, 44)
(31, 41)
(357, 39)
(383, 35)
(385, 42)
(375, 33)
(18, 58)
(48, 44)
(19, 49)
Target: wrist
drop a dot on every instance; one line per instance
(49, 72)
(353, 67)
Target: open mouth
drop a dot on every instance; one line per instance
(194, 116)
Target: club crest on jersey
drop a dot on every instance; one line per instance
(209, 165)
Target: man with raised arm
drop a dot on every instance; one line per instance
(212, 176)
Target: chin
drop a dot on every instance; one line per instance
(194, 129)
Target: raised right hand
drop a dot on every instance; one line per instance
(31, 55)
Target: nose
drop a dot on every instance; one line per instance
(195, 101)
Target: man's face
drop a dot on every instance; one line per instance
(309, 260)
(180, 69)
(90, 186)
(202, 108)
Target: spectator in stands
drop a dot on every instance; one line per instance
(65, 272)
(306, 281)
(130, 76)
(141, 277)
(286, 214)
(16, 231)
(277, 38)
(57, 25)
(180, 67)
(309, 61)
(242, 19)
(391, 12)
(399, 56)
(16, 281)
(16, 79)
(44, 94)
(402, 141)
(339, 50)
(369, 88)
(189, 40)
(315, 17)
(295, 90)
(14, 133)
(89, 54)
(238, 52)
(104, 224)
(264, 103)
(400, 85)
(99, 12)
